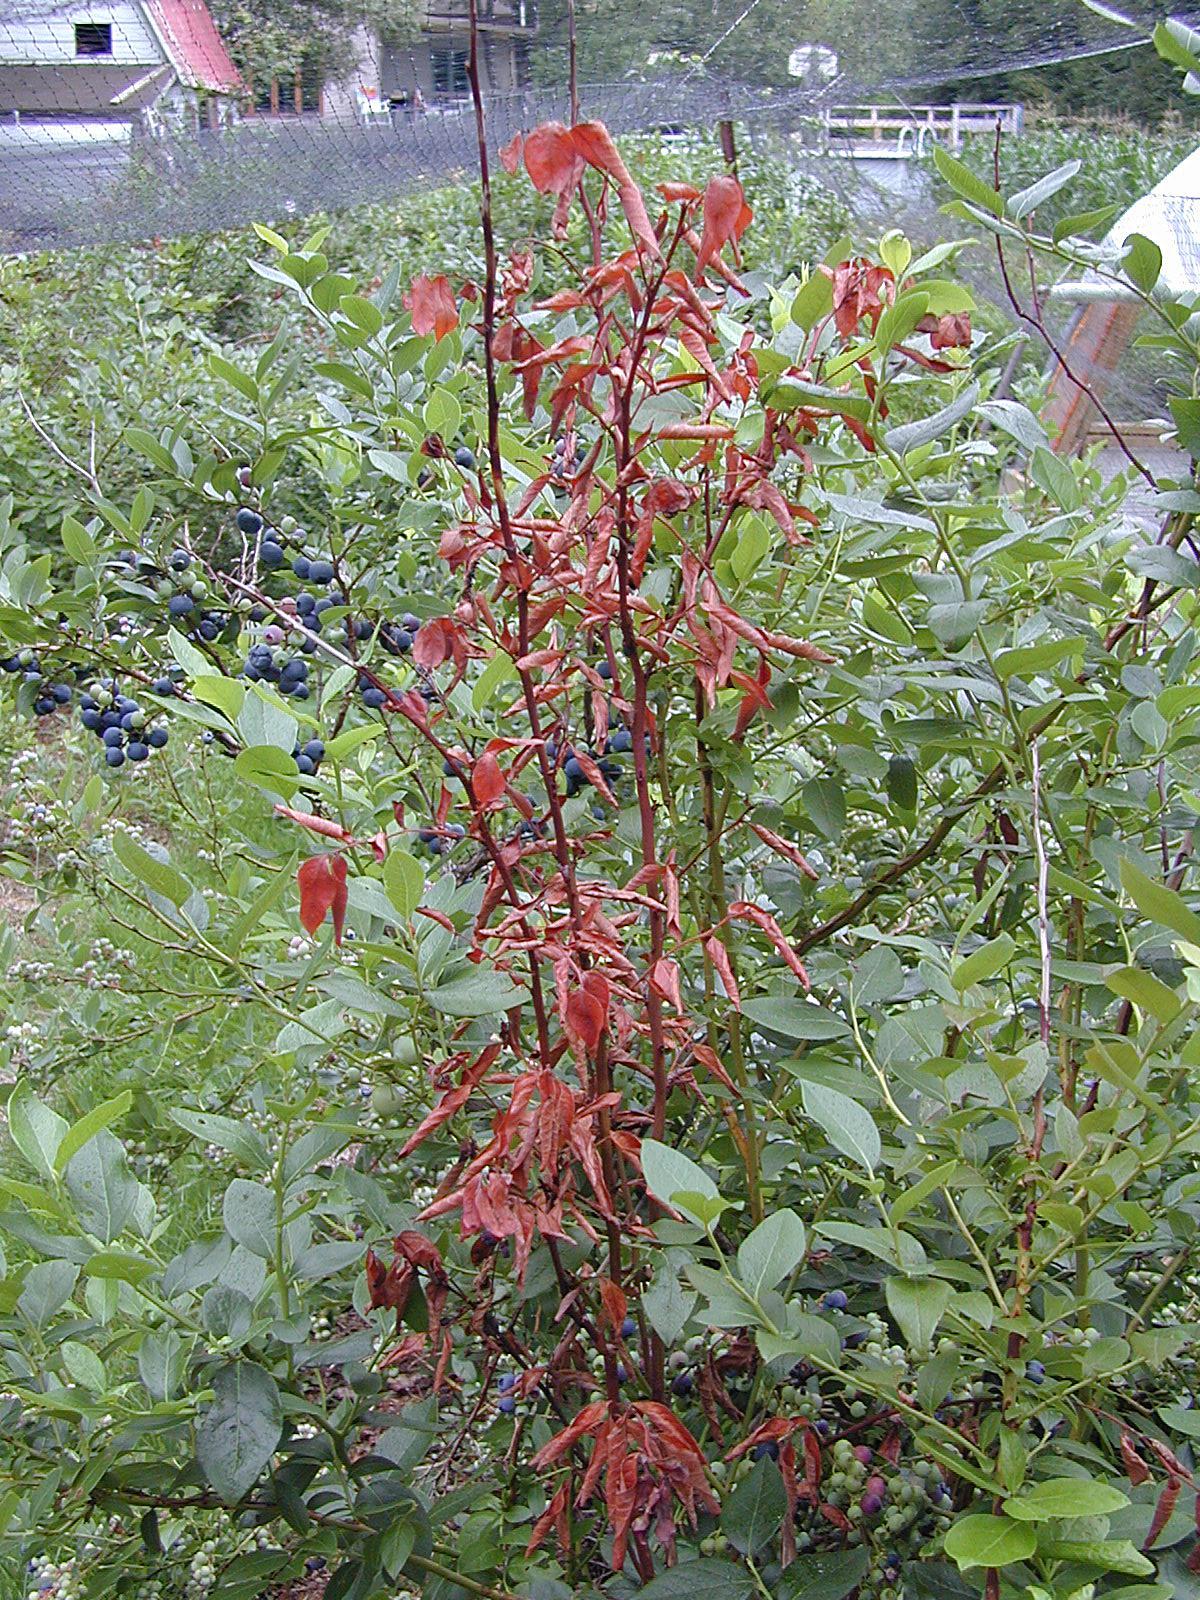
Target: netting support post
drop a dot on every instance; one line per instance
(728, 147)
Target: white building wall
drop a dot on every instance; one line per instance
(49, 39)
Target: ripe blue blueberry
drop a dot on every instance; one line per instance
(249, 522)
(320, 572)
(91, 720)
(573, 770)
(114, 757)
(373, 698)
(628, 1328)
(137, 751)
(305, 765)
(768, 1449)
(506, 1381)
(181, 605)
(113, 737)
(412, 623)
(835, 1300)
(508, 1405)
(179, 561)
(163, 686)
(60, 693)
(465, 457)
(314, 750)
(301, 567)
(271, 555)
(156, 738)
(1035, 1371)
(683, 1384)
(604, 670)
(621, 741)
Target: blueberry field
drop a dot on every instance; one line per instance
(599, 936)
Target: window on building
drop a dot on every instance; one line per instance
(93, 39)
(450, 72)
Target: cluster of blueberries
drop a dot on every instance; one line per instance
(441, 842)
(308, 757)
(289, 674)
(620, 743)
(50, 696)
(120, 723)
(185, 596)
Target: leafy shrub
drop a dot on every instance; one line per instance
(747, 856)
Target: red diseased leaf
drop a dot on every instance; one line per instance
(1136, 1469)
(749, 912)
(671, 192)
(585, 1422)
(431, 301)
(664, 981)
(1162, 1512)
(551, 159)
(723, 207)
(719, 957)
(585, 1019)
(322, 881)
(781, 847)
(613, 1305)
(554, 1516)
(594, 143)
(487, 779)
(321, 825)
(510, 154)
(711, 1062)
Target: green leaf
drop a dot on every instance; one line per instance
(227, 694)
(795, 1019)
(1027, 200)
(78, 542)
(101, 1116)
(773, 1251)
(47, 1287)
(668, 1307)
(1160, 904)
(239, 1138)
(986, 1541)
(754, 1512)
(122, 1266)
(83, 1365)
(104, 1190)
(499, 670)
(1052, 1498)
(162, 1363)
(1108, 1555)
(983, 963)
(825, 801)
(829, 1575)
(918, 1305)
(236, 1437)
(668, 1172)
(902, 782)
(848, 1126)
(963, 181)
(249, 1213)
(1142, 262)
(1146, 992)
(154, 874)
(36, 1130)
(813, 301)
(404, 881)
(482, 994)
(706, 1579)
(953, 623)
(911, 435)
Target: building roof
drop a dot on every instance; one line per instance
(193, 45)
(1170, 216)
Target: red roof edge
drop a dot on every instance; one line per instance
(196, 49)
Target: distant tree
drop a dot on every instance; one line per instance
(272, 38)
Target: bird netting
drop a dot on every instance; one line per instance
(154, 117)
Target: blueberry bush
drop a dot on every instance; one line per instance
(606, 990)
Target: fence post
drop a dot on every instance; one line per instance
(955, 130)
